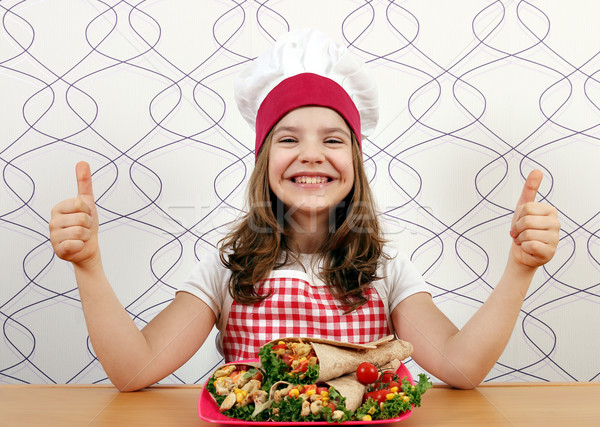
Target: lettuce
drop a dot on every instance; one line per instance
(272, 366)
(310, 376)
(276, 369)
(415, 392)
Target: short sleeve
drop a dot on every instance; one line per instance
(208, 281)
(401, 279)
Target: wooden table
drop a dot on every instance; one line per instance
(548, 404)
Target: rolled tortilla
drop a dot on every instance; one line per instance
(349, 386)
(335, 361)
(223, 371)
(340, 358)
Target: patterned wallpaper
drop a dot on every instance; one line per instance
(474, 94)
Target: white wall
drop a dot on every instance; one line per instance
(474, 94)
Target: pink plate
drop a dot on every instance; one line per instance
(208, 410)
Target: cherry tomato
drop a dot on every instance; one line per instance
(278, 347)
(369, 395)
(387, 377)
(367, 373)
(332, 406)
(380, 395)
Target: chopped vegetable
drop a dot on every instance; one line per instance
(381, 403)
(299, 403)
(289, 361)
(237, 390)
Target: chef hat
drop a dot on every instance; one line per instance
(305, 67)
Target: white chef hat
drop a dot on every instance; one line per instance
(306, 67)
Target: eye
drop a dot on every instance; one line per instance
(287, 140)
(334, 141)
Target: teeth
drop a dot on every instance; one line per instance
(310, 179)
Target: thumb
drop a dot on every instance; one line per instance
(530, 189)
(84, 180)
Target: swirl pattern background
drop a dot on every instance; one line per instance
(474, 95)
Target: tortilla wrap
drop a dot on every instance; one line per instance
(236, 365)
(338, 358)
(352, 389)
(348, 386)
(336, 361)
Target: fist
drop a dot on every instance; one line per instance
(535, 227)
(74, 223)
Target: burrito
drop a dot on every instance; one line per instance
(310, 360)
(238, 389)
(334, 400)
(353, 390)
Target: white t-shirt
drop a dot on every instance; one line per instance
(209, 282)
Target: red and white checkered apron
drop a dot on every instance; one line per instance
(298, 309)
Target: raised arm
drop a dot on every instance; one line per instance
(132, 359)
(462, 358)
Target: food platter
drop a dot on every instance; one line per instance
(208, 410)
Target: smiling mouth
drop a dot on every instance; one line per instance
(311, 179)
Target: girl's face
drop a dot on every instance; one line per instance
(310, 163)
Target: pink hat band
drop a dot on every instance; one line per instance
(303, 90)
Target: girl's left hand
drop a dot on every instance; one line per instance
(534, 228)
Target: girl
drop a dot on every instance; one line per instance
(308, 258)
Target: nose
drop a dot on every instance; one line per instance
(311, 151)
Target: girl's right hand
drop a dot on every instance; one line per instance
(74, 223)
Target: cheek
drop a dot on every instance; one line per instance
(347, 170)
(275, 171)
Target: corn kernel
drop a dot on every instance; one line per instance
(303, 359)
(310, 391)
(281, 343)
(324, 394)
(389, 396)
(237, 390)
(406, 398)
(366, 418)
(394, 389)
(372, 410)
(294, 392)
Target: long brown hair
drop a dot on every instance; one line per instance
(350, 254)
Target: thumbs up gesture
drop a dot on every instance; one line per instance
(74, 223)
(534, 227)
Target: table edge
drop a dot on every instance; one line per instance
(199, 387)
